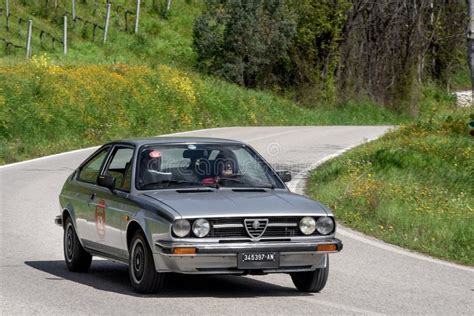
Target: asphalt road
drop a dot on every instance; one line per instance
(367, 277)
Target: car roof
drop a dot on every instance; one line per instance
(174, 140)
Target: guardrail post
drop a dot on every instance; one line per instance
(28, 39)
(137, 16)
(65, 35)
(107, 18)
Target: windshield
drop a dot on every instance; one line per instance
(202, 165)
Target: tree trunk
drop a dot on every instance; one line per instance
(470, 44)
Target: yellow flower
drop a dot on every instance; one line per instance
(40, 61)
(178, 82)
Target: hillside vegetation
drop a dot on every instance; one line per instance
(134, 85)
(46, 108)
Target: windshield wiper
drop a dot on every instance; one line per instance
(247, 185)
(219, 182)
(266, 186)
(169, 183)
(194, 190)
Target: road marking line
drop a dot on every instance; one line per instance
(301, 177)
(47, 157)
(198, 130)
(382, 245)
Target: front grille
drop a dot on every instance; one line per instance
(255, 227)
(237, 227)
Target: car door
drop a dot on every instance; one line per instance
(112, 209)
(84, 188)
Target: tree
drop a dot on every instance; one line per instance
(246, 42)
(316, 56)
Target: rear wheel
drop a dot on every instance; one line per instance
(77, 259)
(311, 281)
(141, 267)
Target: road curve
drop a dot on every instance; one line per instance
(367, 277)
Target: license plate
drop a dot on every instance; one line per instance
(258, 260)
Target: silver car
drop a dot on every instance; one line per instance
(192, 205)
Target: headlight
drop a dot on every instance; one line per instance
(201, 227)
(181, 227)
(325, 225)
(307, 225)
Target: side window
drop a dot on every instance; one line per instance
(120, 167)
(90, 171)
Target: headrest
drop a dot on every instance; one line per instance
(194, 153)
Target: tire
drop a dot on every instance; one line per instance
(77, 259)
(311, 281)
(141, 267)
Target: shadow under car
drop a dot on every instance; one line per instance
(113, 277)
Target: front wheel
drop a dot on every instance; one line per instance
(141, 267)
(311, 281)
(77, 259)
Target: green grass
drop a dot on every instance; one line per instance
(46, 108)
(412, 187)
(160, 40)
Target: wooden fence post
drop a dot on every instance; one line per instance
(107, 18)
(470, 44)
(65, 35)
(28, 39)
(168, 7)
(73, 9)
(137, 16)
(7, 11)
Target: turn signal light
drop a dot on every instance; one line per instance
(184, 251)
(330, 247)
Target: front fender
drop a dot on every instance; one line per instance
(153, 226)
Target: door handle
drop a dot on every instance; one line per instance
(92, 196)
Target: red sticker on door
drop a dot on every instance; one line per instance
(100, 219)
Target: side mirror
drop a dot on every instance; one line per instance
(106, 181)
(285, 175)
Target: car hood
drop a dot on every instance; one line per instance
(229, 203)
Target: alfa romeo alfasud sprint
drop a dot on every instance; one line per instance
(192, 205)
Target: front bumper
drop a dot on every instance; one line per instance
(221, 258)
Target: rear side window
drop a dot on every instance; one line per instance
(90, 171)
(120, 167)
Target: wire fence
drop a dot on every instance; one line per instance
(88, 26)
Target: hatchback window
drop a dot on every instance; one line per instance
(90, 171)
